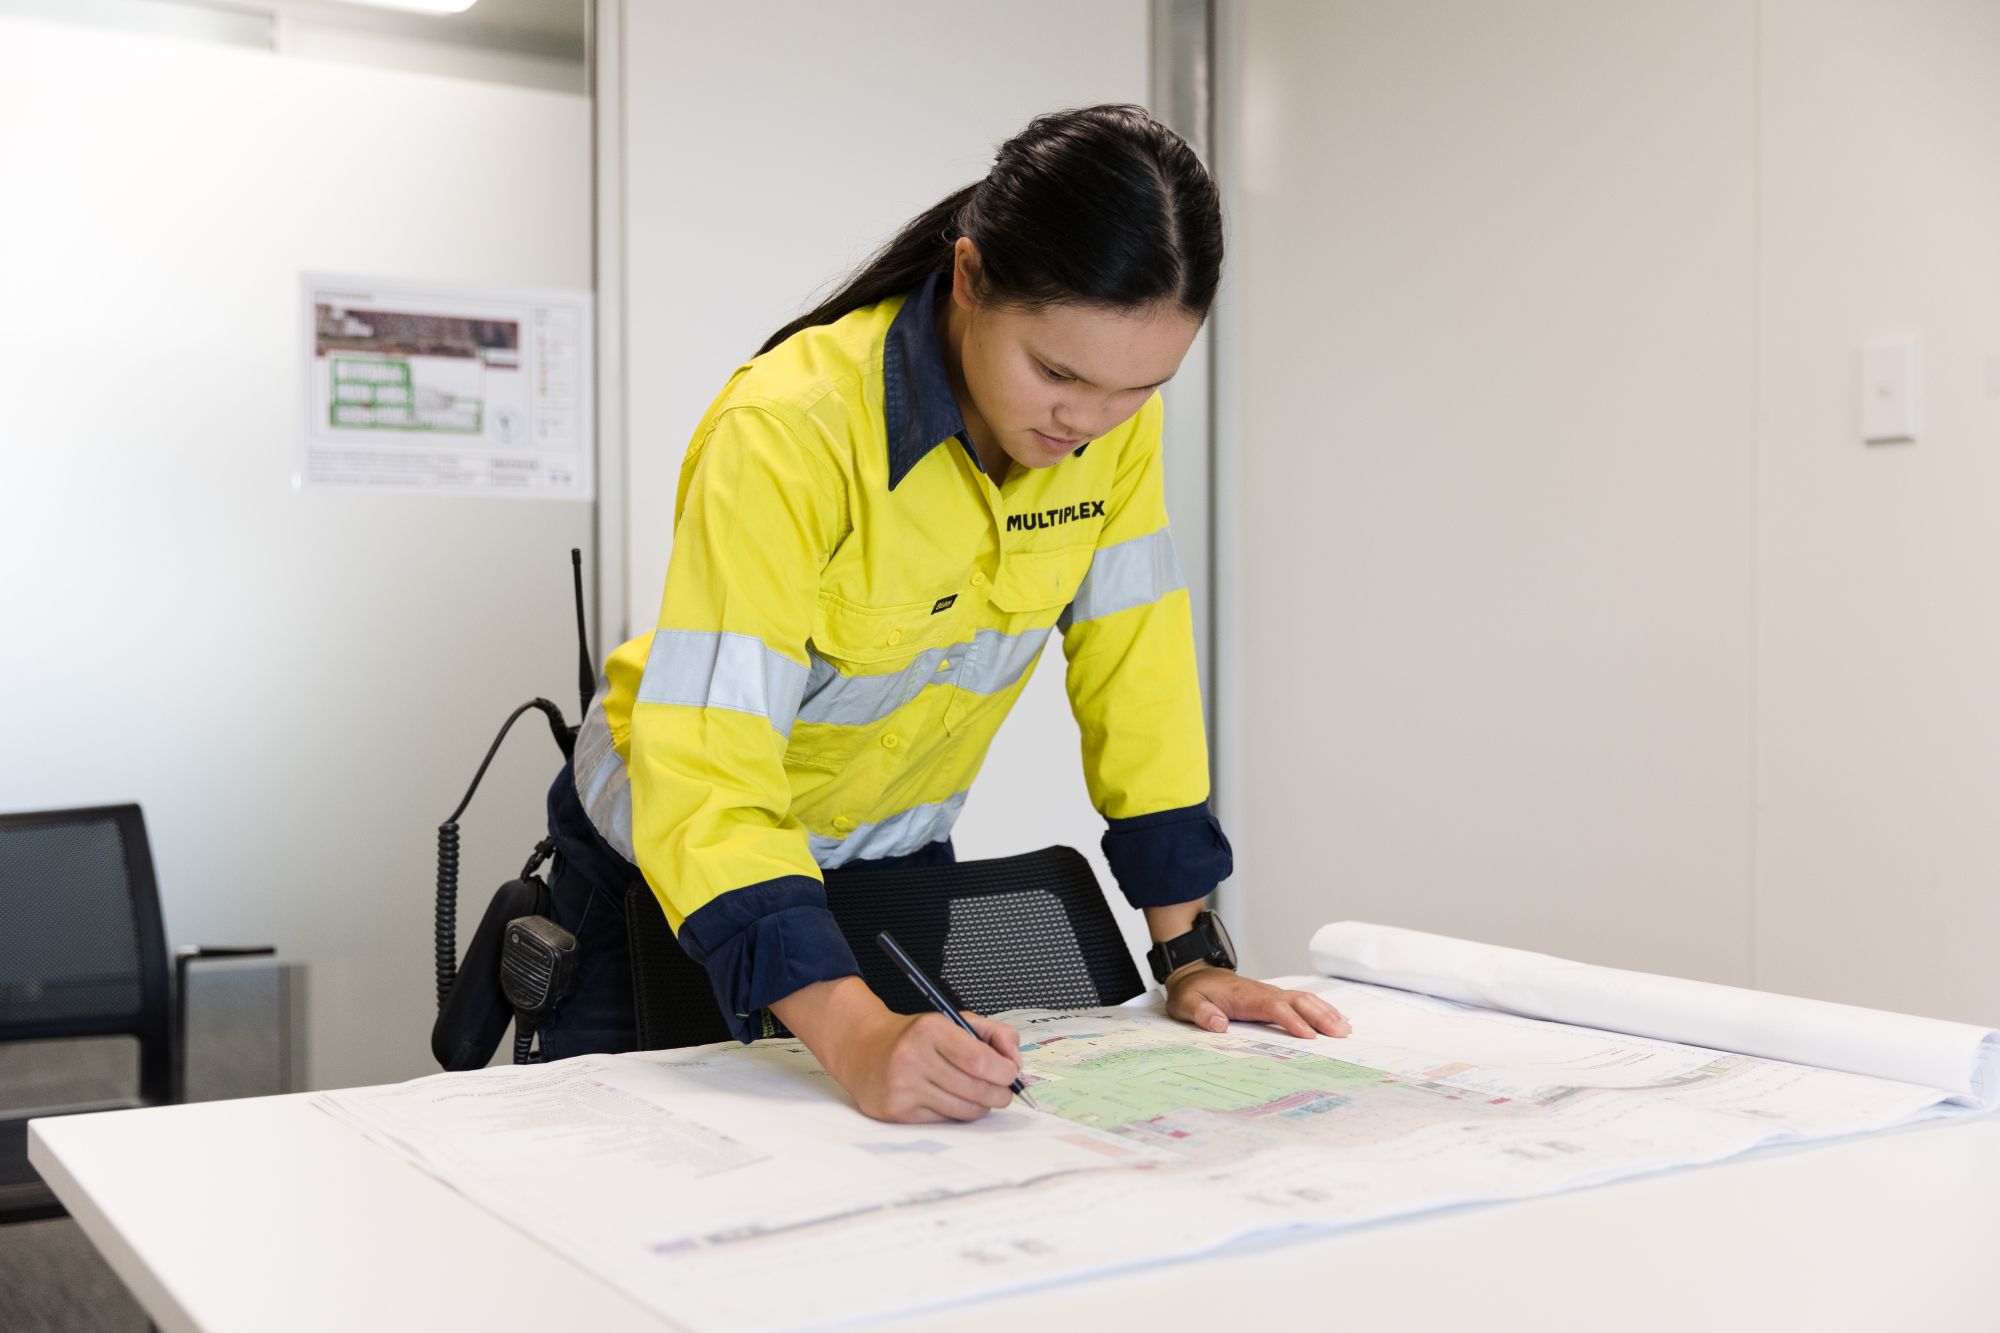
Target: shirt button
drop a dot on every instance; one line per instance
(944, 666)
(895, 636)
(841, 823)
(891, 741)
(978, 579)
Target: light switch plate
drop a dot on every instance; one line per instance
(1889, 390)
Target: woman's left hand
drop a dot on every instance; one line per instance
(1209, 997)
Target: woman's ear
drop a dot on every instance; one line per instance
(965, 273)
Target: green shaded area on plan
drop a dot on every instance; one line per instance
(1117, 1087)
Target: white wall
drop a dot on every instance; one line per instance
(295, 685)
(750, 187)
(323, 41)
(1497, 409)
(1579, 618)
(1878, 701)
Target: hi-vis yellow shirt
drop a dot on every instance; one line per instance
(852, 607)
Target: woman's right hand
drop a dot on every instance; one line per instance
(909, 1068)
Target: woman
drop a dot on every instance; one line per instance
(879, 521)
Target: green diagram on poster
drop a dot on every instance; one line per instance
(380, 393)
(414, 386)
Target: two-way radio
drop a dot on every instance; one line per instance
(520, 964)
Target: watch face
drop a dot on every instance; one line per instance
(1224, 946)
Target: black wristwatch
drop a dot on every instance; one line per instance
(1208, 943)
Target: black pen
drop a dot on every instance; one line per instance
(936, 997)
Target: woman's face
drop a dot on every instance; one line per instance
(1045, 382)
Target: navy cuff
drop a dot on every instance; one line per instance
(1168, 857)
(762, 942)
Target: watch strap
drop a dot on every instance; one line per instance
(1197, 945)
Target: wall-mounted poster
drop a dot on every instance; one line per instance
(470, 391)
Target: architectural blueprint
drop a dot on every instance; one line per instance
(687, 1177)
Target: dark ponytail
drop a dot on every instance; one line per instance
(1101, 205)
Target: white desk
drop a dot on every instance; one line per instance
(265, 1214)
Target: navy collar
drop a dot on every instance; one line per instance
(917, 402)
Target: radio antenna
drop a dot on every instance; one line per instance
(585, 676)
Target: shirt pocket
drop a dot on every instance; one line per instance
(867, 663)
(1027, 596)
(1037, 585)
(867, 640)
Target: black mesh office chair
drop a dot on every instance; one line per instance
(1028, 931)
(83, 953)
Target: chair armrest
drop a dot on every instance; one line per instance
(183, 959)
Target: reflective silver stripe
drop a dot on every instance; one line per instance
(1130, 574)
(987, 665)
(605, 791)
(997, 660)
(601, 784)
(898, 835)
(859, 700)
(707, 669)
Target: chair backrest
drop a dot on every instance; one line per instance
(83, 952)
(1017, 932)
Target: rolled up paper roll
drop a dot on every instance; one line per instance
(1958, 1058)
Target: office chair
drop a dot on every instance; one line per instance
(1018, 932)
(83, 953)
